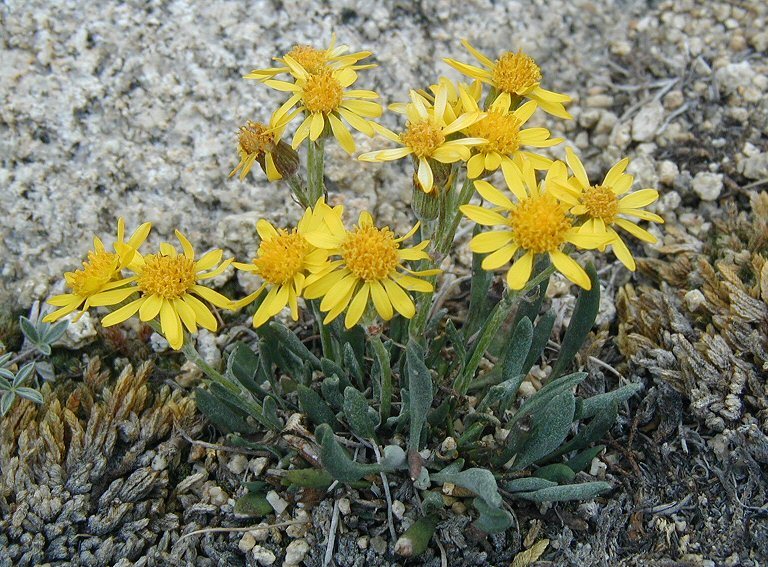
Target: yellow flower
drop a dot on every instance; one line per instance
(315, 60)
(426, 136)
(502, 128)
(514, 74)
(284, 260)
(262, 143)
(537, 223)
(324, 100)
(370, 265)
(602, 207)
(168, 286)
(100, 273)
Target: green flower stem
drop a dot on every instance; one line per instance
(452, 218)
(423, 309)
(326, 340)
(382, 356)
(315, 169)
(492, 325)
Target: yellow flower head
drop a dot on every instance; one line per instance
(262, 143)
(101, 272)
(536, 223)
(602, 205)
(284, 260)
(503, 130)
(369, 264)
(315, 60)
(514, 74)
(427, 136)
(168, 286)
(324, 99)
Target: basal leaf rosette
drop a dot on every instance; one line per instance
(101, 273)
(315, 60)
(533, 222)
(168, 287)
(432, 134)
(367, 266)
(284, 260)
(604, 208)
(324, 98)
(515, 74)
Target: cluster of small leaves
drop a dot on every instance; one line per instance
(551, 434)
(39, 337)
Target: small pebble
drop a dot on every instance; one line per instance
(218, 496)
(362, 542)
(262, 533)
(345, 506)
(263, 556)
(694, 299)
(278, 504)
(237, 464)
(398, 509)
(708, 186)
(299, 530)
(257, 465)
(246, 542)
(379, 545)
(668, 172)
(296, 552)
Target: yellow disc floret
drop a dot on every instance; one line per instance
(100, 269)
(601, 202)
(255, 138)
(540, 224)
(281, 257)
(501, 129)
(313, 60)
(422, 137)
(169, 277)
(370, 253)
(515, 73)
(323, 93)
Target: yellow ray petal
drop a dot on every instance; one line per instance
(401, 301)
(570, 269)
(577, 167)
(150, 308)
(482, 216)
(381, 301)
(357, 306)
(170, 323)
(203, 315)
(125, 312)
(489, 241)
(500, 257)
(520, 272)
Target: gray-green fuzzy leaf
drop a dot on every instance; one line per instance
(315, 407)
(30, 394)
(591, 406)
(556, 472)
(291, 342)
(29, 330)
(480, 481)
(582, 321)
(337, 462)
(550, 428)
(528, 484)
(583, 491)
(356, 412)
(493, 519)
(541, 334)
(419, 390)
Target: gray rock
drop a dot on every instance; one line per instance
(708, 185)
(647, 121)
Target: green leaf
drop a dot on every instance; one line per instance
(519, 345)
(550, 428)
(457, 342)
(583, 491)
(5, 358)
(330, 368)
(332, 393)
(582, 321)
(593, 431)
(541, 334)
(528, 484)
(480, 481)
(543, 397)
(595, 404)
(556, 472)
(23, 373)
(308, 478)
(243, 365)
(6, 401)
(356, 412)
(269, 410)
(253, 505)
(480, 286)
(43, 348)
(432, 502)
(29, 330)
(30, 394)
(353, 366)
(315, 407)
(582, 460)
(416, 538)
(6, 376)
(225, 417)
(290, 341)
(530, 306)
(419, 390)
(493, 519)
(336, 460)
(52, 333)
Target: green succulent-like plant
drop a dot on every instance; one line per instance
(552, 434)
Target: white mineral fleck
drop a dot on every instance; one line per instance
(277, 502)
(237, 464)
(708, 185)
(264, 556)
(296, 552)
(647, 121)
(398, 509)
(257, 465)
